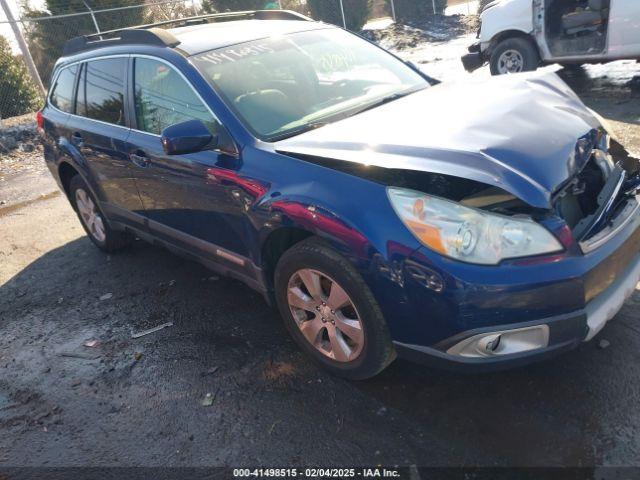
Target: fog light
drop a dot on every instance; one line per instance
(507, 342)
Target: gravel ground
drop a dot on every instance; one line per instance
(139, 402)
(23, 175)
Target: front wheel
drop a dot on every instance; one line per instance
(514, 55)
(330, 311)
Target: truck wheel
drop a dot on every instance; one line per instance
(514, 55)
(330, 311)
(92, 218)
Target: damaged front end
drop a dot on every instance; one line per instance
(591, 207)
(521, 219)
(514, 147)
(602, 198)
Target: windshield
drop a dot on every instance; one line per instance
(284, 85)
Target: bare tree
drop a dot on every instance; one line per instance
(170, 11)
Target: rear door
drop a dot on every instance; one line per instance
(624, 29)
(184, 196)
(99, 131)
(56, 113)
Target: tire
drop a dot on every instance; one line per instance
(525, 54)
(372, 349)
(98, 230)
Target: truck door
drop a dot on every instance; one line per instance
(624, 29)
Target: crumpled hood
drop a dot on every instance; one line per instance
(516, 132)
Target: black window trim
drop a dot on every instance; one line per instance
(73, 89)
(129, 103)
(83, 69)
(127, 124)
(76, 86)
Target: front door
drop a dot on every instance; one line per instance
(183, 198)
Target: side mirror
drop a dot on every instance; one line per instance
(187, 137)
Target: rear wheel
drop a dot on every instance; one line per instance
(92, 218)
(330, 311)
(514, 55)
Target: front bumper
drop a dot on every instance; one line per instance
(474, 59)
(565, 332)
(606, 305)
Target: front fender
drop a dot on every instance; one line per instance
(508, 15)
(351, 213)
(382, 262)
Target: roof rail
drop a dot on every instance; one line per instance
(152, 36)
(149, 34)
(218, 17)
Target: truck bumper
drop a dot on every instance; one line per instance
(474, 59)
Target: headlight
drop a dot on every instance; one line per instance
(606, 124)
(468, 234)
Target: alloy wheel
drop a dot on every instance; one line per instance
(511, 61)
(326, 315)
(90, 215)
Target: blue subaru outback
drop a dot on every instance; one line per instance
(477, 225)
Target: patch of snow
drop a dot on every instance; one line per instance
(443, 60)
(466, 8)
(378, 24)
(615, 73)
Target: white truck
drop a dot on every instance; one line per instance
(520, 35)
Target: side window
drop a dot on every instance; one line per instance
(163, 98)
(101, 90)
(62, 91)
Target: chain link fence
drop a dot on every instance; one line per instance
(25, 69)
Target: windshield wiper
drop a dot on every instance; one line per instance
(298, 131)
(321, 123)
(389, 98)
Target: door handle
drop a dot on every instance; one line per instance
(76, 139)
(139, 159)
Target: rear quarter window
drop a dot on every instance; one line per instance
(62, 90)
